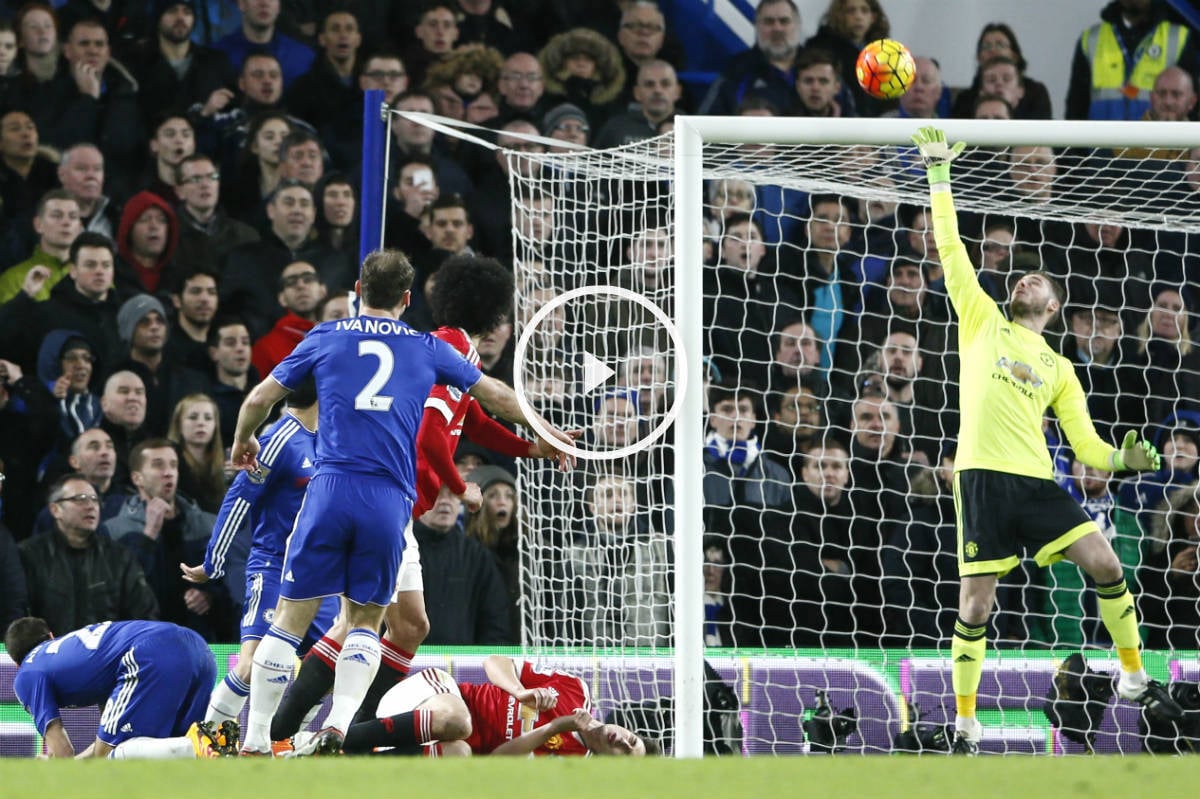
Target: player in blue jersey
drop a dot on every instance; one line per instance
(373, 375)
(152, 677)
(269, 498)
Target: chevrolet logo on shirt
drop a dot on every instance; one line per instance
(1021, 371)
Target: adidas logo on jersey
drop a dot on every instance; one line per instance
(357, 657)
(307, 464)
(127, 727)
(288, 577)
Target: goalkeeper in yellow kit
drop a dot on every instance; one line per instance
(1004, 492)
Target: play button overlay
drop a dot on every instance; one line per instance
(597, 379)
(595, 372)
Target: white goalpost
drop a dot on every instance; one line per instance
(793, 258)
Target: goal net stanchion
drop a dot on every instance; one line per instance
(593, 594)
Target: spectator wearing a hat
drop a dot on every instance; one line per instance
(465, 597)
(567, 122)
(586, 70)
(174, 72)
(65, 367)
(85, 302)
(147, 239)
(142, 324)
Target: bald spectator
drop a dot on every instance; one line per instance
(657, 91)
(25, 175)
(207, 234)
(327, 91)
(766, 69)
(56, 223)
(927, 98)
(1173, 98)
(522, 87)
(259, 34)
(300, 294)
(435, 35)
(124, 406)
(175, 72)
(81, 172)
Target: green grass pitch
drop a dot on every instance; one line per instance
(612, 778)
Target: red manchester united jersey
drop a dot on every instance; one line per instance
(496, 717)
(452, 405)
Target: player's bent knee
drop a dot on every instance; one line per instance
(451, 721)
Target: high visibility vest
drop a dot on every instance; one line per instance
(1121, 84)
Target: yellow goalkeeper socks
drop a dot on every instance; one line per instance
(968, 647)
(1120, 619)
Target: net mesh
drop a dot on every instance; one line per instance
(825, 319)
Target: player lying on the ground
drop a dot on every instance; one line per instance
(153, 677)
(270, 497)
(471, 298)
(521, 711)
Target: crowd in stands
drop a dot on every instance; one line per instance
(179, 205)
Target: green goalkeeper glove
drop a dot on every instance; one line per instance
(1140, 456)
(931, 143)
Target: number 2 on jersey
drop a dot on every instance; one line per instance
(369, 399)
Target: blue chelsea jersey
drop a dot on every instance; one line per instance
(373, 375)
(268, 497)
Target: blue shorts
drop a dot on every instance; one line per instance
(262, 594)
(348, 540)
(163, 685)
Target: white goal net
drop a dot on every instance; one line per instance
(830, 370)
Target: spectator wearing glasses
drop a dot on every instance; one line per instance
(522, 88)
(300, 293)
(642, 37)
(207, 234)
(76, 575)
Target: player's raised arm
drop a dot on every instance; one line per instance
(969, 299)
(501, 400)
(255, 409)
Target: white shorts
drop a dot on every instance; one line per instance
(411, 692)
(410, 577)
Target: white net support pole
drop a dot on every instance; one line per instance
(689, 437)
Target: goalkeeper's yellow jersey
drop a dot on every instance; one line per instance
(1008, 376)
